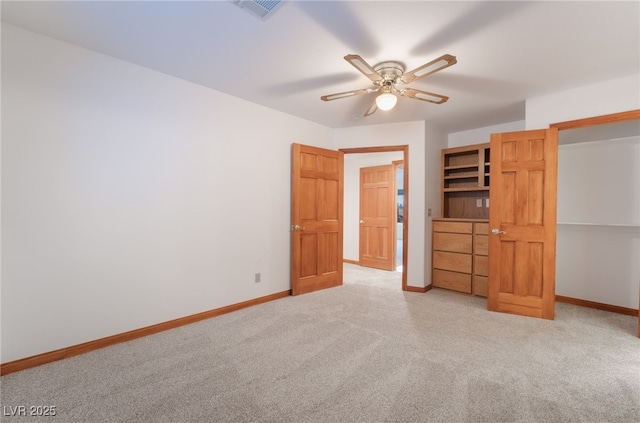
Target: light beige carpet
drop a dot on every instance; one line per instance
(355, 353)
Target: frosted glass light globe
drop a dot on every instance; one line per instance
(386, 101)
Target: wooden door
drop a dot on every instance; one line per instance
(316, 225)
(522, 223)
(377, 217)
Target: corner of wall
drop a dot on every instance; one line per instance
(435, 140)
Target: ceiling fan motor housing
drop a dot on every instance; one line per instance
(390, 71)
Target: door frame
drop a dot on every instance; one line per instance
(597, 120)
(405, 186)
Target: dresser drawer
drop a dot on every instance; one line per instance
(457, 243)
(457, 227)
(452, 261)
(481, 245)
(481, 265)
(452, 280)
(480, 285)
(482, 228)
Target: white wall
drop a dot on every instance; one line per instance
(482, 135)
(435, 141)
(423, 142)
(614, 96)
(130, 197)
(352, 165)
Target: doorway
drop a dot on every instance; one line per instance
(399, 203)
(600, 229)
(351, 219)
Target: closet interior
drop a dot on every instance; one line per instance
(598, 225)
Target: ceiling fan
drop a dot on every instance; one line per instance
(389, 79)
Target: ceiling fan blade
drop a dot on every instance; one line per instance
(434, 66)
(372, 109)
(346, 94)
(366, 69)
(424, 96)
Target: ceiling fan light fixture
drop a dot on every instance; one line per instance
(389, 80)
(386, 101)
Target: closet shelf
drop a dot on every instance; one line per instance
(621, 225)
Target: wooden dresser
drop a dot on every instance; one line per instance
(460, 236)
(460, 255)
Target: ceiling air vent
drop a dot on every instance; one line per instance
(260, 8)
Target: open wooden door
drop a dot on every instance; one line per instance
(522, 223)
(377, 217)
(316, 218)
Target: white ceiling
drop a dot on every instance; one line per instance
(507, 51)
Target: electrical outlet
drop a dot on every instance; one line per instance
(478, 202)
(428, 212)
(257, 277)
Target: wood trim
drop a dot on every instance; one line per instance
(456, 219)
(597, 120)
(410, 288)
(351, 261)
(49, 357)
(599, 306)
(384, 149)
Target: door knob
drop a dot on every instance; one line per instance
(297, 228)
(496, 231)
(361, 221)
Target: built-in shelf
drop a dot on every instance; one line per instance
(466, 175)
(465, 182)
(465, 166)
(463, 189)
